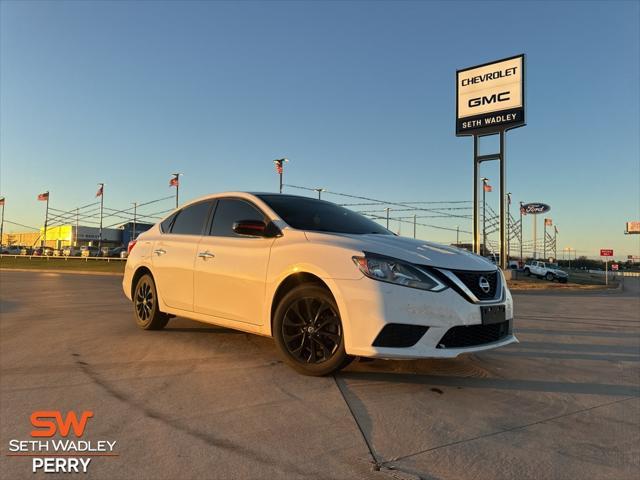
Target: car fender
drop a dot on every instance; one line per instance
(277, 280)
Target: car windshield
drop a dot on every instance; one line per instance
(317, 215)
(552, 265)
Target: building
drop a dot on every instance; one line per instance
(62, 236)
(132, 230)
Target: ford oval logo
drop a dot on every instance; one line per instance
(534, 208)
(484, 284)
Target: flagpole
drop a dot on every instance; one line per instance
(483, 250)
(521, 257)
(46, 221)
(101, 210)
(176, 177)
(509, 225)
(2, 224)
(77, 225)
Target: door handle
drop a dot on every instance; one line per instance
(206, 255)
(159, 251)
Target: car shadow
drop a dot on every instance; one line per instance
(545, 386)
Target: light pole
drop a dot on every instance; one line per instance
(135, 218)
(458, 236)
(279, 163)
(485, 188)
(319, 190)
(414, 225)
(387, 210)
(569, 250)
(101, 195)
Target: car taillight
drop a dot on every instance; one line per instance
(132, 244)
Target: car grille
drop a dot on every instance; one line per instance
(472, 282)
(473, 335)
(399, 335)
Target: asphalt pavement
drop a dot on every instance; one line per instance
(197, 401)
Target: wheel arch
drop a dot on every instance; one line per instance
(140, 271)
(288, 284)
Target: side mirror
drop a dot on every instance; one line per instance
(252, 228)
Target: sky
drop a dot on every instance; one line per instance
(360, 96)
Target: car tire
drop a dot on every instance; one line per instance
(308, 332)
(145, 305)
(527, 272)
(549, 276)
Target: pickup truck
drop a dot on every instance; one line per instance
(550, 271)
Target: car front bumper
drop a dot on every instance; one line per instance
(367, 306)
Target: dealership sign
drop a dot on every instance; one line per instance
(606, 252)
(633, 227)
(534, 208)
(490, 97)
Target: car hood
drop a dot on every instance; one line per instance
(558, 271)
(408, 249)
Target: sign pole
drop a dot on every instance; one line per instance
(544, 240)
(535, 240)
(503, 198)
(606, 271)
(476, 220)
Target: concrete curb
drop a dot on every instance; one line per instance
(71, 272)
(606, 291)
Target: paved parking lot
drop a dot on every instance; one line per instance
(196, 401)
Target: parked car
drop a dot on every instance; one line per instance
(57, 252)
(327, 283)
(549, 271)
(26, 251)
(12, 250)
(89, 251)
(71, 251)
(112, 251)
(42, 251)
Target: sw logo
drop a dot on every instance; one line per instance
(51, 422)
(67, 452)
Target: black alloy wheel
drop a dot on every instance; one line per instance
(145, 302)
(308, 331)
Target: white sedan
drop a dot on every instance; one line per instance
(326, 283)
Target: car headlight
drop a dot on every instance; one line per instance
(395, 271)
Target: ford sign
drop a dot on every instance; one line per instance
(534, 208)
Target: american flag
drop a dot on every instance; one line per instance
(43, 197)
(174, 182)
(548, 222)
(100, 191)
(279, 168)
(2, 201)
(487, 187)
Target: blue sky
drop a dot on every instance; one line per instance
(359, 95)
